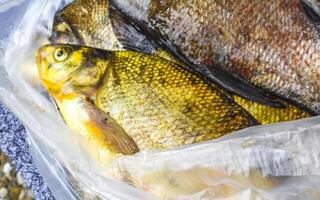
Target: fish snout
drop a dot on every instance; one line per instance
(61, 38)
(38, 57)
(41, 59)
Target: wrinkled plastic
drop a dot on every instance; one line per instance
(280, 161)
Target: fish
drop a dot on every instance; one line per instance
(272, 46)
(101, 26)
(128, 101)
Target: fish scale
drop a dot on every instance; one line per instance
(163, 108)
(273, 45)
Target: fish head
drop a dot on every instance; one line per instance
(85, 23)
(64, 64)
(57, 64)
(62, 32)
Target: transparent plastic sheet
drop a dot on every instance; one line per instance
(280, 161)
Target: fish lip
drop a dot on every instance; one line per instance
(39, 62)
(38, 58)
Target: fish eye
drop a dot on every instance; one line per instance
(61, 54)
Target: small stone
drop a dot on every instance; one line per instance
(22, 195)
(7, 169)
(3, 192)
(20, 179)
(14, 192)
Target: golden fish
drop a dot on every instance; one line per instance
(127, 101)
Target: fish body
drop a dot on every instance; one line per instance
(141, 99)
(163, 105)
(272, 45)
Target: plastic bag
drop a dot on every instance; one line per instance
(280, 161)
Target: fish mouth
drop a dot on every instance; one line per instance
(38, 58)
(63, 32)
(59, 37)
(39, 61)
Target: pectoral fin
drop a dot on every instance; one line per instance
(110, 134)
(85, 118)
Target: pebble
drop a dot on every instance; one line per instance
(22, 195)
(20, 179)
(3, 192)
(7, 169)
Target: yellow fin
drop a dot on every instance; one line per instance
(108, 132)
(88, 120)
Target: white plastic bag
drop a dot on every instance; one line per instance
(280, 161)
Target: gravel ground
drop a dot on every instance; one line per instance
(13, 144)
(12, 185)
